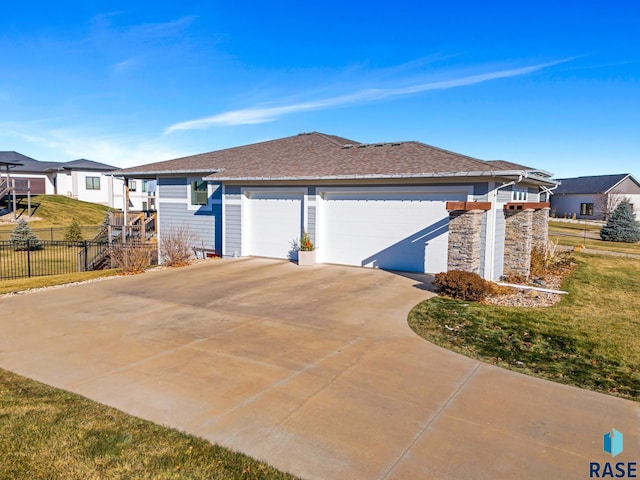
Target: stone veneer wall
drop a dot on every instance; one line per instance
(465, 239)
(540, 229)
(518, 241)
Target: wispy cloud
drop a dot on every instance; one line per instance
(255, 115)
(124, 66)
(63, 144)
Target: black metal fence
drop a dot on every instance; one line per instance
(45, 257)
(57, 233)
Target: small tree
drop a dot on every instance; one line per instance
(74, 232)
(622, 225)
(606, 203)
(23, 238)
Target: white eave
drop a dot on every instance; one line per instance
(536, 176)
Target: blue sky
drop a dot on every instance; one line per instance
(554, 85)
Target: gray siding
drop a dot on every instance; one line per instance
(201, 223)
(498, 259)
(311, 223)
(505, 195)
(568, 205)
(232, 190)
(172, 188)
(480, 189)
(534, 194)
(233, 234)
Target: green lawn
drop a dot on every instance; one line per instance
(46, 433)
(22, 284)
(633, 248)
(60, 211)
(589, 339)
(555, 225)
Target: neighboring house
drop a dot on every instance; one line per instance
(594, 197)
(81, 179)
(400, 206)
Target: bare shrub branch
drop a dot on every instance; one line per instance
(133, 257)
(176, 246)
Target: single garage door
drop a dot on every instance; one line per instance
(272, 221)
(396, 231)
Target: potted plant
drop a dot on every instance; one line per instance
(306, 254)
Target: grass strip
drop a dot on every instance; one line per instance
(50, 433)
(588, 339)
(22, 284)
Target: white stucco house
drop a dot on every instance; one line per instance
(400, 205)
(81, 179)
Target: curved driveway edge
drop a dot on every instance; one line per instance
(313, 369)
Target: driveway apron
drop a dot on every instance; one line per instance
(312, 369)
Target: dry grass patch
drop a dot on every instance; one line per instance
(53, 434)
(588, 339)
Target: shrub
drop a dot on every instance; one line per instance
(622, 225)
(73, 233)
(131, 258)
(462, 285)
(23, 238)
(176, 246)
(305, 243)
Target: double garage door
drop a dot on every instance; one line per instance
(384, 229)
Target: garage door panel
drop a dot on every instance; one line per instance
(393, 231)
(273, 222)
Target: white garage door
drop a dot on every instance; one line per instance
(396, 231)
(273, 220)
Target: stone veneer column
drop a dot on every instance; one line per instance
(518, 241)
(465, 237)
(540, 229)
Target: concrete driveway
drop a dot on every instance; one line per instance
(312, 369)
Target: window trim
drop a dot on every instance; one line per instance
(190, 193)
(586, 209)
(519, 194)
(90, 183)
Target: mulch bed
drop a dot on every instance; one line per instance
(534, 298)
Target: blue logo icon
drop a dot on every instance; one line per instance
(612, 442)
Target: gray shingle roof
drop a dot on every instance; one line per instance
(84, 164)
(316, 155)
(588, 185)
(30, 165)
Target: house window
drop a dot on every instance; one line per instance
(199, 194)
(132, 185)
(586, 209)
(520, 194)
(145, 206)
(144, 185)
(93, 183)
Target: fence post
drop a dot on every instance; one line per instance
(86, 255)
(28, 258)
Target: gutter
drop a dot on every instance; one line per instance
(500, 173)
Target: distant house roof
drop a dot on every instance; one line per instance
(320, 156)
(511, 165)
(22, 163)
(590, 185)
(84, 164)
